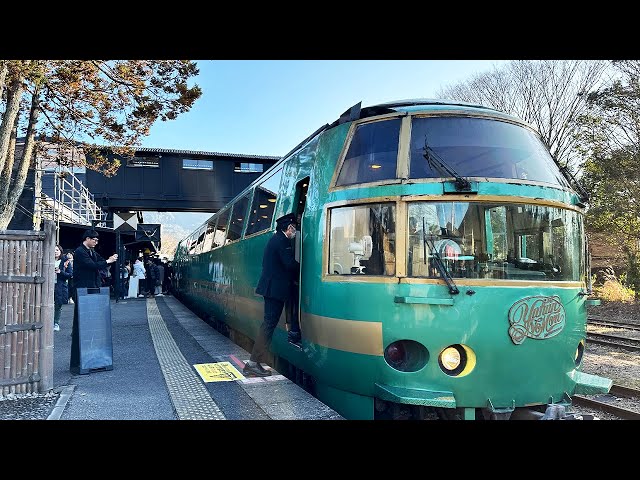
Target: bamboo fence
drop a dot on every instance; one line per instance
(27, 281)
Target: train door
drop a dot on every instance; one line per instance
(300, 200)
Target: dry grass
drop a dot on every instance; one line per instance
(614, 291)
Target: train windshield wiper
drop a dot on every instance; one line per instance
(442, 268)
(435, 161)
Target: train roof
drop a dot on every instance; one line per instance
(426, 104)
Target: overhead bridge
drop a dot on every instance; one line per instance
(166, 180)
(74, 197)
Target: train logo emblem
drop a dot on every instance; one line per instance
(537, 317)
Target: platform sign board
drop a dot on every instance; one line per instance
(125, 222)
(95, 347)
(148, 232)
(218, 372)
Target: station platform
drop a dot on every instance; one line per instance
(169, 364)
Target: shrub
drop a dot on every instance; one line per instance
(614, 290)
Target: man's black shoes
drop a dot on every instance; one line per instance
(251, 368)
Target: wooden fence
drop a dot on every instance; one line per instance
(27, 281)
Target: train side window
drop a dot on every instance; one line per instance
(362, 240)
(199, 243)
(373, 153)
(264, 202)
(238, 214)
(209, 235)
(191, 246)
(221, 228)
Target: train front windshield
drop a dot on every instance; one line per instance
(499, 241)
(470, 146)
(471, 239)
(476, 147)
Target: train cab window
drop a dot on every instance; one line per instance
(264, 201)
(372, 154)
(493, 241)
(480, 147)
(238, 214)
(362, 240)
(221, 228)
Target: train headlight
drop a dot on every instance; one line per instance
(395, 354)
(406, 355)
(457, 360)
(450, 358)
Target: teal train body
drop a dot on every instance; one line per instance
(443, 266)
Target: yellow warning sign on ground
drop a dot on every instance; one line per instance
(218, 372)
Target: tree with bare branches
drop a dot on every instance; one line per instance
(93, 105)
(610, 144)
(550, 95)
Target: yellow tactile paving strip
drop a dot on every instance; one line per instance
(189, 396)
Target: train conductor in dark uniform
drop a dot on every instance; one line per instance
(280, 271)
(86, 265)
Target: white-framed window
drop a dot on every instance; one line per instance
(196, 164)
(147, 162)
(242, 167)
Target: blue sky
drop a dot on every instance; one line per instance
(267, 107)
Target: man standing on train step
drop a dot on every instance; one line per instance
(280, 271)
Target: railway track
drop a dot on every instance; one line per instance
(604, 403)
(613, 324)
(626, 343)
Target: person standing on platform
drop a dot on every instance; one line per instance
(71, 284)
(87, 264)
(152, 277)
(138, 275)
(160, 279)
(280, 270)
(64, 271)
(168, 278)
(125, 273)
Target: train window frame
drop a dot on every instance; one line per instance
(388, 257)
(246, 198)
(255, 197)
(491, 270)
(220, 214)
(199, 241)
(401, 152)
(561, 183)
(210, 232)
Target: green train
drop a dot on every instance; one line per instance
(443, 266)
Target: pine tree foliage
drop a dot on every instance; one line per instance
(91, 105)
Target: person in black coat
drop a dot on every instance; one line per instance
(280, 271)
(64, 271)
(86, 265)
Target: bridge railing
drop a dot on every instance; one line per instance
(71, 202)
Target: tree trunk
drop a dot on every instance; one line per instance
(14, 94)
(6, 214)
